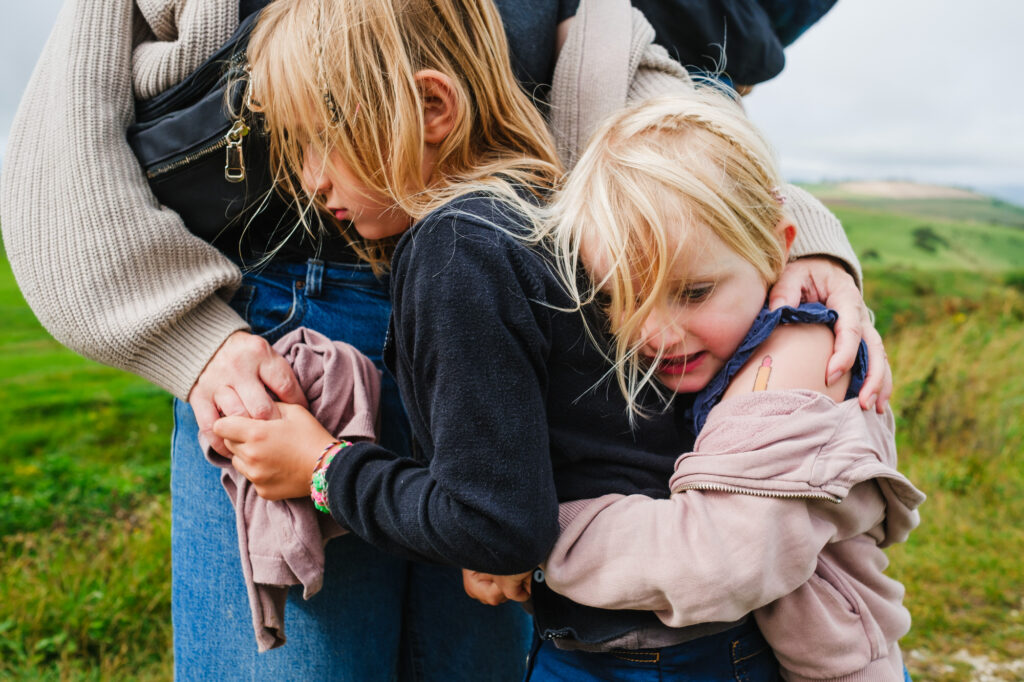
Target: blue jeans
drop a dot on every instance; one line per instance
(377, 617)
(739, 654)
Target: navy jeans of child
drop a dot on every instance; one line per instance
(739, 654)
(377, 617)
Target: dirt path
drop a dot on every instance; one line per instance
(905, 190)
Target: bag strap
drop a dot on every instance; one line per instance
(592, 74)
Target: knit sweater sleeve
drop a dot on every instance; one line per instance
(108, 271)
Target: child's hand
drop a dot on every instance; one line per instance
(277, 455)
(496, 589)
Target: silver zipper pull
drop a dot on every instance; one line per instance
(234, 165)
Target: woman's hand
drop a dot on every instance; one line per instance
(823, 280)
(496, 589)
(278, 455)
(236, 381)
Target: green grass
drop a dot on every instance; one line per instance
(886, 240)
(84, 512)
(959, 408)
(84, 508)
(89, 605)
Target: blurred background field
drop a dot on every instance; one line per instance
(85, 510)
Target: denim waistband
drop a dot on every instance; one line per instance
(315, 272)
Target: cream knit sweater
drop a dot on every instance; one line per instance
(118, 278)
(108, 271)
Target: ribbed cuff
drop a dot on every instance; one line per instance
(567, 511)
(175, 359)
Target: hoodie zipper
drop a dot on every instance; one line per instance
(721, 488)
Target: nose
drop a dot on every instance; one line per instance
(314, 180)
(662, 333)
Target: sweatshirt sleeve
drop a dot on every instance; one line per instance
(705, 555)
(471, 351)
(696, 557)
(109, 272)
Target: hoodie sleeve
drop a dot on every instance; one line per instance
(709, 555)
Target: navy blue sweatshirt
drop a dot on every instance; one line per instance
(511, 405)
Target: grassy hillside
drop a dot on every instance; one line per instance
(959, 206)
(84, 508)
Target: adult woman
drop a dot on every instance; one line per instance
(170, 321)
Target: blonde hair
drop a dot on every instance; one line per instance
(648, 178)
(339, 75)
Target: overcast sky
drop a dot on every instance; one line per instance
(927, 90)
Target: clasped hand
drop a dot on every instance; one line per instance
(277, 455)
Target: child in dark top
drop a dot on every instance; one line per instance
(791, 490)
(403, 121)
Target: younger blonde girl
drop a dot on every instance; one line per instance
(791, 490)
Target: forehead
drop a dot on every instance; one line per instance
(700, 254)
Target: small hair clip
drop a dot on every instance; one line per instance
(780, 198)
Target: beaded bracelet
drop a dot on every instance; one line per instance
(318, 484)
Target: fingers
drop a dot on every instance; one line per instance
(279, 378)
(518, 591)
(206, 415)
(844, 297)
(789, 289)
(236, 429)
(252, 400)
(228, 402)
(482, 588)
(877, 388)
(844, 352)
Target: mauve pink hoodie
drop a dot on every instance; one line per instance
(782, 510)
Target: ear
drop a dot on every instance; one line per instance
(440, 104)
(786, 230)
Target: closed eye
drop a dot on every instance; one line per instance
(695, 293)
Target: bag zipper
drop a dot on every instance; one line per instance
(231, 142)
(721, 488)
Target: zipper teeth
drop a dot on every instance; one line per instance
(717, 487)
(188, 158)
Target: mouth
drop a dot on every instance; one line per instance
(339, 213)
(681, 364)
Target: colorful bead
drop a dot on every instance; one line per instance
(318, 484)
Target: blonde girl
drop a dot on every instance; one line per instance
(676, 213)
(378, 114)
